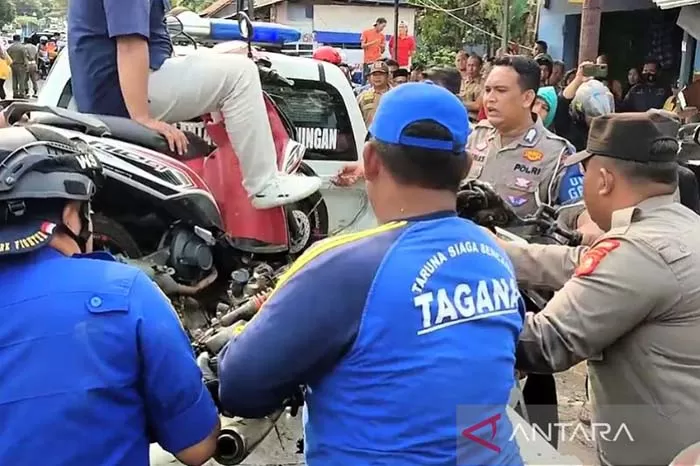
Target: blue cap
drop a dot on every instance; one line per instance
(419, 102)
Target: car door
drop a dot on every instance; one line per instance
(324, 125)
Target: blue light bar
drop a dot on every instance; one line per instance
(263, 33)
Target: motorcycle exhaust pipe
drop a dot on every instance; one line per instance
(240, 437)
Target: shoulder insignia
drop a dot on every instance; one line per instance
(482, 145)
(533, 155)
(593, 257)
(530, 136)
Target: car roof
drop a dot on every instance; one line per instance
(288, 66)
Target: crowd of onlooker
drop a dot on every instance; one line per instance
(26, 62)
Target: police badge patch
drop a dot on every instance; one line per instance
(523, 183)
(517, 201)
(530, 136)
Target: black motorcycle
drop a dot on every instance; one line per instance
(479, 202)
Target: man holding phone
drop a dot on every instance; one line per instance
(648, 93)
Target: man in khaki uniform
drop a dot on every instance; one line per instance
(20, 59)
(369, 99)
(630, 304)
(472, 85)
(511, 149)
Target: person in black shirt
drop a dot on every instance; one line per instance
(648, 93)
(583, 99)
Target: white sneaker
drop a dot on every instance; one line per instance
(286, 189)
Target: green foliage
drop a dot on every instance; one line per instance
(441, 34)
(7, 12)
(25, 20)
(194, 5)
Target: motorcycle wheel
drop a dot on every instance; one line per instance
(311, 221)
(109, 235)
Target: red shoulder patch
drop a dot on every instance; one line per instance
(590, 260)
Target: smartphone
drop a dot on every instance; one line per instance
(595, 71)
(682, 103)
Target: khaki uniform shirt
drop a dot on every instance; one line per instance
(19, 54)
(632, 308)
(369, 101)
(527, 172)
(469, 91)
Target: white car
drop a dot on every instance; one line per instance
(321, 105)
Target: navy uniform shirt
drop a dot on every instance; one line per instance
(93, 26)
(94, 361)
(400, 334)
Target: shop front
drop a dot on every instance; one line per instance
(631, 32)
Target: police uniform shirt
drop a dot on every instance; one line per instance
(95, 365)
(526, 172)
(630, 305)
(401, 334)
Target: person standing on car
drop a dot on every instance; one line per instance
(380, 81)
(123, 65)
(20, 59)
(512, 149)
(630, 304)
(100, 364)
(404, 343)
(373, 42)
(406, 47)
(32, 69)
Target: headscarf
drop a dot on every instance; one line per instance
(549, 95)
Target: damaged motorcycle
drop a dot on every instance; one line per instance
(479, 202)
(186, 221)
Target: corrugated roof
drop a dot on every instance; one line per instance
(668, 4)
(215, 7)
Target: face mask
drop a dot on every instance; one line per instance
(649, 77)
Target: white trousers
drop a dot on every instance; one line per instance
(191, 86)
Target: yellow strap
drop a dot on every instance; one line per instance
(316, 250)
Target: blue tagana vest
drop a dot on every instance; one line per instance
(429, 375)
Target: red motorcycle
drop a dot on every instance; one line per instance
(185, 218)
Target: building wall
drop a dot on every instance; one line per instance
(357, 18)
(551, 28)
(340, 23)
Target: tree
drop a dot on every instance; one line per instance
(7, 12)
(442, 29)
(29, 8)
(194, 5)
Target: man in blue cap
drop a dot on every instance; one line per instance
(403, 335)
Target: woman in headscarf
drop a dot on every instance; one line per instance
(546, 105)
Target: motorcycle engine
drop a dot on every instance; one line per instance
(190, 254)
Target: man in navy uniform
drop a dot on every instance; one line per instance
(95, 363)
(404, 335)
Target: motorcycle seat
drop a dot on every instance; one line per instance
(127, 130)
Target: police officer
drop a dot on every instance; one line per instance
(95, 363)
(512, 149)
(398, 329)
(630, 304)
(380, 83)
(20, 59)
